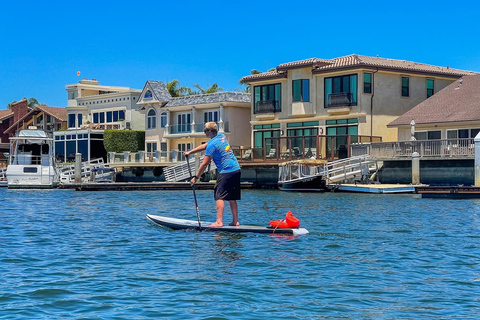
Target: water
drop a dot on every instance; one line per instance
(93, 255)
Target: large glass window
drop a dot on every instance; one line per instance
(163, 119)
(95, 117)
(341, 91)
(71, 120)
(367, 82)
(151, 119)
(209, 116)
(184, 122)
(267, 98)
(430, 87)
(405, 86)
(301, 90)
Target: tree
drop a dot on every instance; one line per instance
(32, 103)
(212, 89)
(175, 89)
(253, 71)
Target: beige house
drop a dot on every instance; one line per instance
(452, 113)
(175, 124)
(354, 94)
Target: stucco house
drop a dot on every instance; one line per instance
(175, 124)
(91, 109)
(452, 113)
(354, 95)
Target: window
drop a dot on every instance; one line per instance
(71, 120)
(151, 119)
(301, 91)
(405, 86)
(367, 82)
(95, 117)
(148, 95)
(184, 122)
(163, 119)
(109, 116)
(209, 116)
(430, 87)
(79, 119)
(462, 133)
(267, 98)
(341, 91)
(428, 135)
(102, 117)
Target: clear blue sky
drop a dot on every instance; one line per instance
(125, 43)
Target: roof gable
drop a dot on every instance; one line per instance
(5, 114)
(59, 114)
(154, 92)
(458, 102)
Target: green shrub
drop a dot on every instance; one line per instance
(124, 140)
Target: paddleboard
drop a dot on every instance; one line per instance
(182, 224)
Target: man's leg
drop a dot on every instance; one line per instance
(234, 208)
(220, 208)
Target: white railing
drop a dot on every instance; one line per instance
(67, 172)
(347, 169)
(181, 171)
(3, 174)
(449, 148)
(145, 157)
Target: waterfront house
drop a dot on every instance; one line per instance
(452, 113)
(350, 95)
(91, 109)
(175, 124)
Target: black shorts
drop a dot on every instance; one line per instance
(228, 186)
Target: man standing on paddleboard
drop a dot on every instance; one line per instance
(227, 186)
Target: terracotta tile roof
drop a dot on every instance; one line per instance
(264, 76)
(458, 102)
(5, 114)
(355, 60)
(312, 62)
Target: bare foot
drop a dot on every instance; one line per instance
(216, 225)
(234, 224)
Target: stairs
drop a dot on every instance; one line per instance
(347, 169)
(179, 172)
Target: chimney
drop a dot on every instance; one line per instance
(19, 109)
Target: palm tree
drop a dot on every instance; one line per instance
(212, 89)
(175, 89)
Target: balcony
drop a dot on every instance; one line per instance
(197, 128)
(265, 109)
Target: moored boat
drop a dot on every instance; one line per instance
(302, 175)
(31, 160)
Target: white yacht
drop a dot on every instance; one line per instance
(32, 163)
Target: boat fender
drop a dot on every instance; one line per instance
(290, 221)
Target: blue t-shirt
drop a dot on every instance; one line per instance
(221, 153)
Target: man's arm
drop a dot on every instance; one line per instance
(200, 148)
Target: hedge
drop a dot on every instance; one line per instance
(124, 140)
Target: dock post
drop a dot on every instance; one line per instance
(477, 160)
(78, 168)
(415, 168)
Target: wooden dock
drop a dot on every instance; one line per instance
(129, 186)
(451, 192)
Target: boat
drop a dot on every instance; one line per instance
(31, 160)
(182, 224)
(302, 175)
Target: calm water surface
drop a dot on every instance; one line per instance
(93, 255)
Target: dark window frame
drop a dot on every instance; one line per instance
(430, 92)
(367, 84)
(267, 89)
(405, 90)
(302, 92)
(353, 92)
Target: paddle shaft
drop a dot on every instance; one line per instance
(194, 194)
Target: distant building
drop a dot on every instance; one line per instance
(175, 124)
(452, 113)
(354, 94)
(91, 109)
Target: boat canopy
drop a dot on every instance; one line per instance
(32, 134)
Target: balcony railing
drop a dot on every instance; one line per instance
(266, 106)
(449, 148)
(188, 128)
(341, 99)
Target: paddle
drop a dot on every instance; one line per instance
(194, 195)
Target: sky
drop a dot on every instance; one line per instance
(43, 44)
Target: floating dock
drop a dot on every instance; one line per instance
(373, 188)
(128, 186)
(454, 192)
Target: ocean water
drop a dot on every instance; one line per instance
(93, 255)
